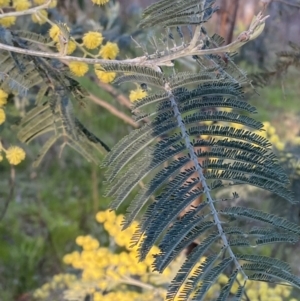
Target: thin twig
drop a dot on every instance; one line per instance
(122, 99)
(129, 280)
(153, 61)
(113, 110)
(29, 11)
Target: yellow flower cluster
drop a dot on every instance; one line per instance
(79, 68)
(262, 291)
(270, 133)
(137, 94)
(113, 274)
(105, 77)
(100, 2)
(14, 154)
(3, 102)
(4, 3)
(20, 5)
(60, 281)
(40, 17)
(92, 39)
(2, 116)
(70, 47)
(55, 31)
(3, 98)
(116, 272)
(40, 2)
(109, 51)
(8, 21)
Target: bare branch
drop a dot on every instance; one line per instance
(153, 61)
(113, 110)
(26, 12)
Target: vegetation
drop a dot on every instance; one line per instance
(195, 144)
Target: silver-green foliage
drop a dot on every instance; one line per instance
(177, 167)
(57, 89)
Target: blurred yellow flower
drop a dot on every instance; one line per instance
(70, 48)
(2, 116)
(92, 39)
(40, 17)
(101, 217)
(105, 77)
(100, 2)
(15, 154)
(20, 5)
(280, 146)
(80, 240)
(137, 94)
(51, 5)
(271, 130)
(1, 157)
(7, 21)
(109, 51)
(4, 3)
(3, 98)
(79, 68)
(54, 32)
(274, 139)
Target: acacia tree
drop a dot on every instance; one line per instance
(188, 143)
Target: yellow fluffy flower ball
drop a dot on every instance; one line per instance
(20, 5)
(100, 2)
(40, 2)
(36, 18)
(2, 116)
(3, 98)
(54, 32)
(79, 68)
(8, 21)
(105, 77)
(15, 154)
(4, 3)
(71, 47)
(92, 39)
(137, 94)
(109, 51)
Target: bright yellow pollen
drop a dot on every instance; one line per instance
(20, 5)
(100, 2)
(2, 116)
(79, 68)
(109, 51)
(105, 77)
(92, 39)
(137, 94)
(7, 21)
(15, 155)
(36, 18)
